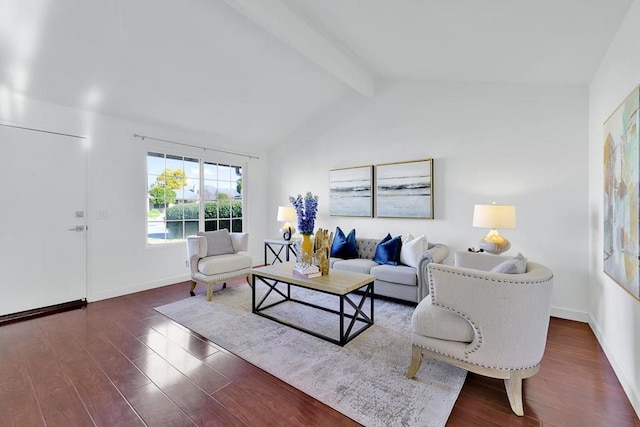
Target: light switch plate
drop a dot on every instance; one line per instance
(102, 214)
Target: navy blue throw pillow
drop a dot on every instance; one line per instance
(344, 247)
(388, 250)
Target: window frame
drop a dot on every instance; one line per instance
(202, 159)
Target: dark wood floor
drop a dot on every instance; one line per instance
(119, 363)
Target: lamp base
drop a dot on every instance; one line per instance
(287, 231)
(494, 243)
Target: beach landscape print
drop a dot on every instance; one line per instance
(350, 191)
(404, 190)
(621, 245)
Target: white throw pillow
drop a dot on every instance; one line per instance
(412, 249)
(515, 265)
(409, 237)
(406, 238)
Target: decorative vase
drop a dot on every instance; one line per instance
(307, 249)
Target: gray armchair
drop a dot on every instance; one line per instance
(214, 258)
(489, 323)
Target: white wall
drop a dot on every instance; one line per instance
(519, 144)
(615, 314)
(119, 261)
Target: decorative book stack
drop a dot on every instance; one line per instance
(308, 271)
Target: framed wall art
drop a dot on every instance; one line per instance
(621, 201)
(350, 191)
(405, 189)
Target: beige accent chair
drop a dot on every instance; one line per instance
(214, 258)
(489, 323)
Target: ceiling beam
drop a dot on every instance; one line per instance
(280, 21)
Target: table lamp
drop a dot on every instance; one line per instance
(286, 214)
(494, 216)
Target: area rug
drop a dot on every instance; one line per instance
(365, 380)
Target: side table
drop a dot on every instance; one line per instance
(276, 247)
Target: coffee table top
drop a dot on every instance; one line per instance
(337, 282)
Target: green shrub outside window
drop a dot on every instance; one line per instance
(217, 215)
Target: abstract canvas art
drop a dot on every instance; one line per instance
(405, 189)
(350, 192)
(621, 198)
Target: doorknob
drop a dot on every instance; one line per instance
(77, 228)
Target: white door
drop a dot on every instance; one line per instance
(42, 219)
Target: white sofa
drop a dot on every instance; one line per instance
(400, 282)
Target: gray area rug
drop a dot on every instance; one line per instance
(364, 380)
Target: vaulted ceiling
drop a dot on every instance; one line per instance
(253, 71)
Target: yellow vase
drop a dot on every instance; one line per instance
(307, 249)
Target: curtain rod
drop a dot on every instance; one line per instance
(143, 137)
(44, 131)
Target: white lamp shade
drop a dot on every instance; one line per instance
(287, 213)
(494, 216)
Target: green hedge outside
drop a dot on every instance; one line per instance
(189, 211)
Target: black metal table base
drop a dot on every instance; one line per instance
(346, 333)
(286, 247)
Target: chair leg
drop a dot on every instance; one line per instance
(249, 281)
(224, 285)
(416, 361)
(209, 291)
(193, 287)
(514, 393)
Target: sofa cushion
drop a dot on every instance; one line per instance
(218, 242)
(400, 274)
(436, 322)
(515, 265)
(224, 264)
(388, 250)
(357, 265)
(412, 249)
(344, 247)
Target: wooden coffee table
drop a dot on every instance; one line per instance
(340, 283)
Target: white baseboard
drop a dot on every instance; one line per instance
(627, 383)
(568, 314)
(138, 288)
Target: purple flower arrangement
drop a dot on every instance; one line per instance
(306, 209)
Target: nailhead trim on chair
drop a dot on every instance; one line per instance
(193, 264)
(477, 340)
(217, 279)
(478, 364)
(228, 277)
(493, 279)
(478, 335)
